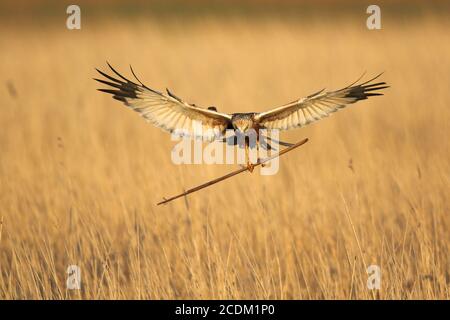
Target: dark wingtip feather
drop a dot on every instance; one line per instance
(105, 90)
(173, 95)
(375, 88)
(115, 85)
(119, 75)
(376, 77)
(316, 93)
(122, 99)
(352, 84)
(123, 89)
(366, 89)
(109, 77)
(134, 74)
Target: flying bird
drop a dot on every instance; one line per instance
(172, 114)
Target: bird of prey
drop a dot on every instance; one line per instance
(170, 113)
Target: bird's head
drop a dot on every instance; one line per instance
(242, 121)
(242, 125)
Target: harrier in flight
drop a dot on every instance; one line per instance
(170, 113)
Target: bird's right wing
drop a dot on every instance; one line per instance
(316, 106)
(167, 111)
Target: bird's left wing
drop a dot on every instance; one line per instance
(319, 105)
(166, 111)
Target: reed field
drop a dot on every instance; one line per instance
(80, 174)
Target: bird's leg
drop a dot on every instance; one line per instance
(257, 149)
(250, 166)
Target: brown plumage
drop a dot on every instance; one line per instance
(170, 113)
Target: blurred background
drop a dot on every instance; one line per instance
(80, 174)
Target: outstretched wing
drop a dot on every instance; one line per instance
(319, 105)
(166, 111)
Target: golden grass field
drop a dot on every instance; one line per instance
(80, 174)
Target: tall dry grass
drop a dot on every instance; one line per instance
(80, 174)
